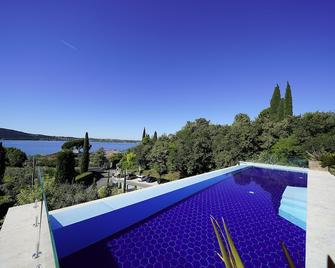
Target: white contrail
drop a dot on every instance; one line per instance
(68, 45)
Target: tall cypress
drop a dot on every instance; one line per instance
(275, 103)
(144, 134)
(2, 162)
(288, 101)
(154, 138)
(281, 109)
(85, 158)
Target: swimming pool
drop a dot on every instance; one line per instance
(182, 235)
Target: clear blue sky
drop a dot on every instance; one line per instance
(113, 67)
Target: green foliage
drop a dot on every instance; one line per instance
(288, 101)
(281, 110)
(142, 152)
(192, 152)
(115, 159)
(46, 161)
(128, 161)
(2, 162)
(65, 166)
(286, 147)
(77, 144)
(85, 158)
(86, 178)
(236, 142)
(5, 203)
(328, 160)
(15, 157)
(99, 158)
(15, 179)
(154, 138)
(63, 195)
(107, 190)
(144, 134)
(159, 155)
(275, 103)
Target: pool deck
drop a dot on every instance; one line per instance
(18, 238)
(320, 238)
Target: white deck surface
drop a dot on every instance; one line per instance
(320, 240)
(18, 239)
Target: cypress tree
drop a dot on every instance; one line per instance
(85, 158)
(65, 164)
(144, 134)
(2, 162)
(154, 138)
(288, 101)
(275, 103)
(281, 110)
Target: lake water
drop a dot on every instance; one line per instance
(49, 147)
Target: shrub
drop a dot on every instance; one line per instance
(328, 160)
(2, 162)
(5, 203)
(15, 157)
(65, 166)
(86, 178)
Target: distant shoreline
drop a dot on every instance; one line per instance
(70, 139)
(10, 134)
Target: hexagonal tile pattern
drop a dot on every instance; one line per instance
(182, 235)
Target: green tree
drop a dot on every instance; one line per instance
(275, 103)
(15, 157)
(193, 148)
(159, 155)
(85, 158)
(77, 144)
(154, 138)
(2, 162)
(128, 161)
(281, 109)
(288, 101)
(65, 171)
(99, 158)
(115, 159)
(144, 134)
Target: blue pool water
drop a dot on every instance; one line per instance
(182, 235)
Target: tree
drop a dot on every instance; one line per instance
(144, 134)
(193, 148)
(281, 109)
(85, 158)
(65, 171)
(154, 138)
(15, 157)
(288, 101)
(128, 161)
(99, 158)
(159, 155)
(2, 162)
(115, 159)
(275, 103)
(77, 144)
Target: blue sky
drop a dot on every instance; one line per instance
(113, 67)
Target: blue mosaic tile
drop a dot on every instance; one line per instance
(182, 235)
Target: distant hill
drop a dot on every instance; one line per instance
(10, 134)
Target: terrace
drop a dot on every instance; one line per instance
(126, 218)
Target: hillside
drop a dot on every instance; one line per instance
(10, 134)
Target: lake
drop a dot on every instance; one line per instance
(31, 147)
